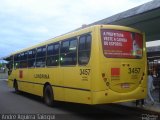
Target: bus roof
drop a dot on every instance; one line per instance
(75, 33)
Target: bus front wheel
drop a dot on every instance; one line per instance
(16, 86)
(48, 95)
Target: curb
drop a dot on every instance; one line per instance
(147, 108)
(3, 79)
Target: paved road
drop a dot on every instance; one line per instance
(12, 103)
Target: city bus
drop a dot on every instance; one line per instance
(95, 65)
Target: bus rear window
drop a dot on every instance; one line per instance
(121, 44)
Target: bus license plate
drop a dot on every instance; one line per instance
(125, 85)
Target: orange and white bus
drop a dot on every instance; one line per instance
(95, 65)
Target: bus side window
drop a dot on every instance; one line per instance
(41, 57)
(23, 60)
(31, 58)
(53, 55)
(84, 49)
(17, 61)
(68, 54)
(10, 67)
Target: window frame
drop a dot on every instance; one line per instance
(32, 57)
(62, 52)
(70, 53)
(87, 50)
(53, 55)
(41, 57)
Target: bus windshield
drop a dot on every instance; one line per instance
(121, 44)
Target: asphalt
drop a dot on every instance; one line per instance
(12, 103)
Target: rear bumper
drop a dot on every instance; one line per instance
(110, 96)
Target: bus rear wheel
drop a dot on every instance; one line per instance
(48, 95)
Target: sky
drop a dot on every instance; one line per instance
(25, 23)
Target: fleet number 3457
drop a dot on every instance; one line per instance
(85, 71)
(134, 70)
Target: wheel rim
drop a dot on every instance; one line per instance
(48, 96)
(16, 86)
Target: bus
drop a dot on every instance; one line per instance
(95, 65)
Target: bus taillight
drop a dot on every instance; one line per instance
(104, 78)
(141, 78)
(107, 83)
(103, 75)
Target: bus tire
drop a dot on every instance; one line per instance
(16, 86)
(48, 95)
